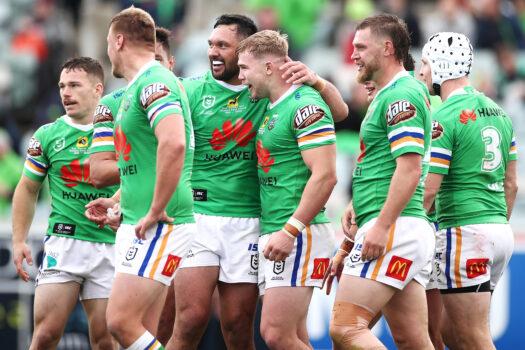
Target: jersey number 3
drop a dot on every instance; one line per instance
(492, 139)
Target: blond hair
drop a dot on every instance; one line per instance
(136, 24)
(265, 42)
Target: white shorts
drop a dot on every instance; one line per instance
(158, 256)
(306, 264)
(408, 254)
(90, 264)
(227, 242)
(473, 254)
(432, 282)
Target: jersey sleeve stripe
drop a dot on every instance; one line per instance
(440, 150)
(102, 134)
(439, 162)
(414, 135)
(316, 140)
(440, 155)
(406, 129)
(98, 140)
(407, 141)
(319, 129)
(315, 136)
(162, 108)
(34, 167)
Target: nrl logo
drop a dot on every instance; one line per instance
(59, 144)
(208, 101)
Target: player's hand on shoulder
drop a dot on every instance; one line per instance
(279, 246)
(22, 251)
(296, 72)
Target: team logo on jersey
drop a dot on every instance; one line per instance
(59, 144)
(307, 116)
(264, 158)
(35, 148)
(82, 142)
(122, 147)
(172, 262)
(398, 268)
(241, 133)
(74, 173)
(233, 103)
(476, 267)
(102, 114)
(278, 267)
(208, 101)
(320, 267)
(152, 93)
(466, 115)
(400, 111)
(272, 122)
(437, 130)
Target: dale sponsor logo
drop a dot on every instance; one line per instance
(34, 149)
(264, 158)
(307, 116)
(476, 267)
(152, 93)
(75, 172)
(400, 111)
(122, 147)
(437, 130)
(241, 133)
(398, 268)
(102, 115)
(172, 263)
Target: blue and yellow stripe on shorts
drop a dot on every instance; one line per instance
(151, 249)
(457, 258)
(295, 281)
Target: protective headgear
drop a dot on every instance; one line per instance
(449, 55)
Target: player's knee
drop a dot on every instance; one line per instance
(46, 337)
(103, 343)
(349, 324)
(117, 324)
(276, 337)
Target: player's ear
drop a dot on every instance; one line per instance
(388, 48)
(269, 66)
(99, 89)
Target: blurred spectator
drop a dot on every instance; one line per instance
(510, 70)
(496, 24)
(405, 9)
(297, 18)
(10, 171)
(450, 16)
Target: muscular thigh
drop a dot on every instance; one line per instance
(54, 302)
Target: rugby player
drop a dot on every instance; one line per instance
(473, 175)
(104, 171)
(226, 192)
(390, 263)
(78, 259)
(154, 146)
(296, 169)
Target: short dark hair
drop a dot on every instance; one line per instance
(245, 25)
(89, 65)
(163, 35)
(392, 27)
(136, 24)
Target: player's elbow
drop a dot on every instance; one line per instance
(341, 113)
(328, 178)
(97, 181)
(176, 146)
(511, 187)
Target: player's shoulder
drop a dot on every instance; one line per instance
(53, 130)
(406, 87)
(306, 95)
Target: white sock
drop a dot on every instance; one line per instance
(146, 341)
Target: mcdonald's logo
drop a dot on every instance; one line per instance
(398, 268)
(476, 267)
(320, 267)
(171, 265)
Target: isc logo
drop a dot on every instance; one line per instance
(252, 247)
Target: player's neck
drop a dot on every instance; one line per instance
(277, 89)
(388, 72)
(134, 62)
(82, 120)
(448, 86)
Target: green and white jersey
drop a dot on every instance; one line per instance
(225, 122)
(103, 119)
(154, 94)
(397, 122)
(299, 120)
(60, 151)
(473, 141)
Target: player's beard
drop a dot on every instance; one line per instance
(367, 71)
(229, 72)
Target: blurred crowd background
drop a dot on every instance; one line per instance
(38, 35)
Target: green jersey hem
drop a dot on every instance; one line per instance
(478, 220)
